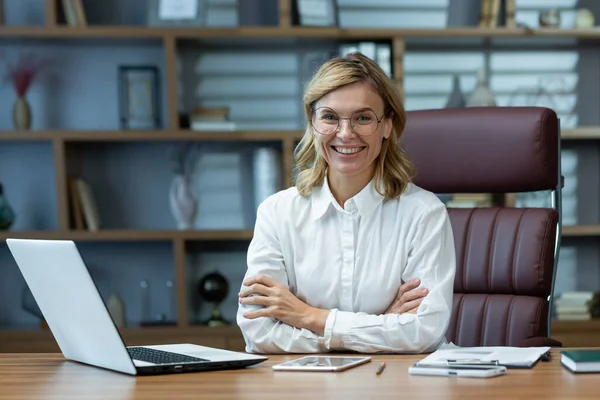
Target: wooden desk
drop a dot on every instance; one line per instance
(48, 376)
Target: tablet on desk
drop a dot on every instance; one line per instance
(322, 363)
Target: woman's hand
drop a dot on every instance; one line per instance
(408, 299)
(279, 303)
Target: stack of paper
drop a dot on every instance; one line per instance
(510, 357)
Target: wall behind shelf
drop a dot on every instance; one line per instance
(131, 182)
(80, 89)
(29, 183)
(24, 12)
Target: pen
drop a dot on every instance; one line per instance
(380, 368)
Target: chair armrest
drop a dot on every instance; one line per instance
(540, 342)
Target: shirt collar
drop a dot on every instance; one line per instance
(366, 201)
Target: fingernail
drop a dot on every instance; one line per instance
(415, 280)
(424, 291)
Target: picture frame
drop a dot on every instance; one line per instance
(316, 13)
(178, 12)
(139, 97)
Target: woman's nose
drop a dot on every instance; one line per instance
(345, 129)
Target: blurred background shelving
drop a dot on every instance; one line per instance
(251, 58)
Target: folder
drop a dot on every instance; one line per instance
(510, 357)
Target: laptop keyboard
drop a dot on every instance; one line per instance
(160, 356)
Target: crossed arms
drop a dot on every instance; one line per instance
(273, 320)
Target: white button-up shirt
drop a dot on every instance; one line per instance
(352, 261)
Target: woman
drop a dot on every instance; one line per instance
(333, 259)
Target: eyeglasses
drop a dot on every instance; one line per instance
(363, 122)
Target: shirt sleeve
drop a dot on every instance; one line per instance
(432, 259)
(269, 335)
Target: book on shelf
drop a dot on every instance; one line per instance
(470, 200)
(211, 119)
(74, 13)
(213, 126)
(83, 208)
(491, 13)
(574, 306)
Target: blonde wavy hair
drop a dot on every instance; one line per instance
(393, 170)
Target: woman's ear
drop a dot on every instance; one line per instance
(387, 128)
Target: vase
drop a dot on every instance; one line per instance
(482, 96)
(21, 114)
(183, 203)
(456, 99)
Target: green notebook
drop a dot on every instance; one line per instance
(581, 360)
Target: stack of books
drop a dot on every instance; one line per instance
(470, 200)
(574, 306)
(211, 119)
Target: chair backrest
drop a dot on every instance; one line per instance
(506, 256)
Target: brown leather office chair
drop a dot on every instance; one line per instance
(506, 257)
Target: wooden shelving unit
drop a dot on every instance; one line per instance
(133, 235)
(41, 340)
(582, 133)
(135, 32)
(161, 135)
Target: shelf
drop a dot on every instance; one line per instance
(288, 32)
(581, 133)
(132, 235)
(164, 135)
(580, 230)
(577, 333)
(576, 326)
(41, 340)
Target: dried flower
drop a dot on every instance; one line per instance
(23, 73)
(182, 158)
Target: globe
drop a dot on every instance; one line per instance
(214, 288)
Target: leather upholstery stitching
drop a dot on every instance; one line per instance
(482, 331)
(458, 318)
(516, 248)
(543, 255)
(466, 250)
(538, 317)
(491, 253)
(509, 321)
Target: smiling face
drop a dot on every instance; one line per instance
(348, 154)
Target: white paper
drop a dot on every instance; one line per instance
(177, 9)
(507, 356)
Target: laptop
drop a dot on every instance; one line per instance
(82, 326)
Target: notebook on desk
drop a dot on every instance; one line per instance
(510, 357)
(581, 360)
